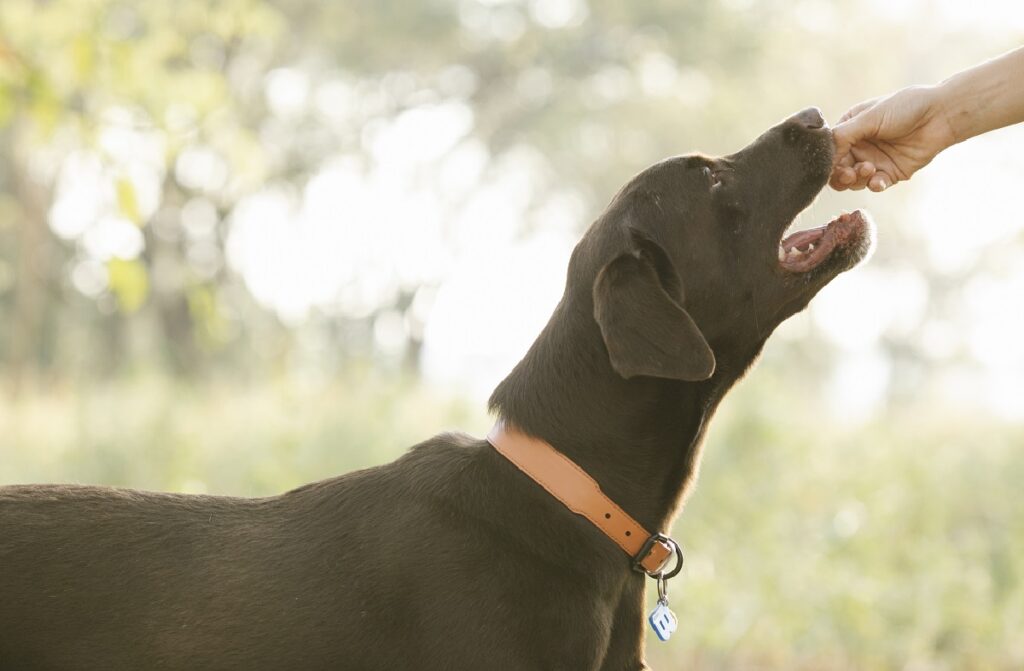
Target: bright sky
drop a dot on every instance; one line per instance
(995, 15)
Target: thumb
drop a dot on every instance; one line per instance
(856, 125)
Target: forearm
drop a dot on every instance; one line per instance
(985, 97)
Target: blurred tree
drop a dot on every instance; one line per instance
(170, 115)
(165, 104)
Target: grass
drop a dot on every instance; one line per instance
(895, 544)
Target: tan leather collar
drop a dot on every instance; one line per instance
(581, 494)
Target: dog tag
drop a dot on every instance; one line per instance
(663, 621)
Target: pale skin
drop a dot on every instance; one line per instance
(885, 140)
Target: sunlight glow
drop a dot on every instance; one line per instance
(485, 240)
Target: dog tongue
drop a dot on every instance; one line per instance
(801, 240)
(805, 250)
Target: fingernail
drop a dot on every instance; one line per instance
(883, 184)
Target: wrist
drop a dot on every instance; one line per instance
(985, 97)
(955, 106)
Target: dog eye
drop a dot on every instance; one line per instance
(712, 176)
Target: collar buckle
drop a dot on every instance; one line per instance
(655, 555)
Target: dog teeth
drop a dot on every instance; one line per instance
(810, 248)
(782, 253)
(794, 253)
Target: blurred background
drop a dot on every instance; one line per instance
(248, 244)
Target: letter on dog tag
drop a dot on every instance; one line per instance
(663, 621)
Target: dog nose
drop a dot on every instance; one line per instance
(810, 118)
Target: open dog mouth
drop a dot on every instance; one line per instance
(848, 235)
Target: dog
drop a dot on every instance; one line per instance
(450, 557)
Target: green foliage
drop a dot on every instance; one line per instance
(148, 432)
(129, 283)
(211, 327)
(815, 546)
(126, 200)
(809, 545)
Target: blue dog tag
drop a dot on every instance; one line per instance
(663, 621)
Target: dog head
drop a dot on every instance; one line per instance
(687, 268)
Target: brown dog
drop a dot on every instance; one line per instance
(450, 558)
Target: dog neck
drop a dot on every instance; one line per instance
(639, 438)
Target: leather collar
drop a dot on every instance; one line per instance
(580, 493)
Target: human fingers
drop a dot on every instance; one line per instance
(857, 109)
(842, 140)
(880, 182)
(843, 160)
(861, 126)
(845, 138)
(842, 178)
(865, 170)
(856, 177)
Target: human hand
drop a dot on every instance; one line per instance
(886, 140)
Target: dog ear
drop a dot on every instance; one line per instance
(645, 330)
